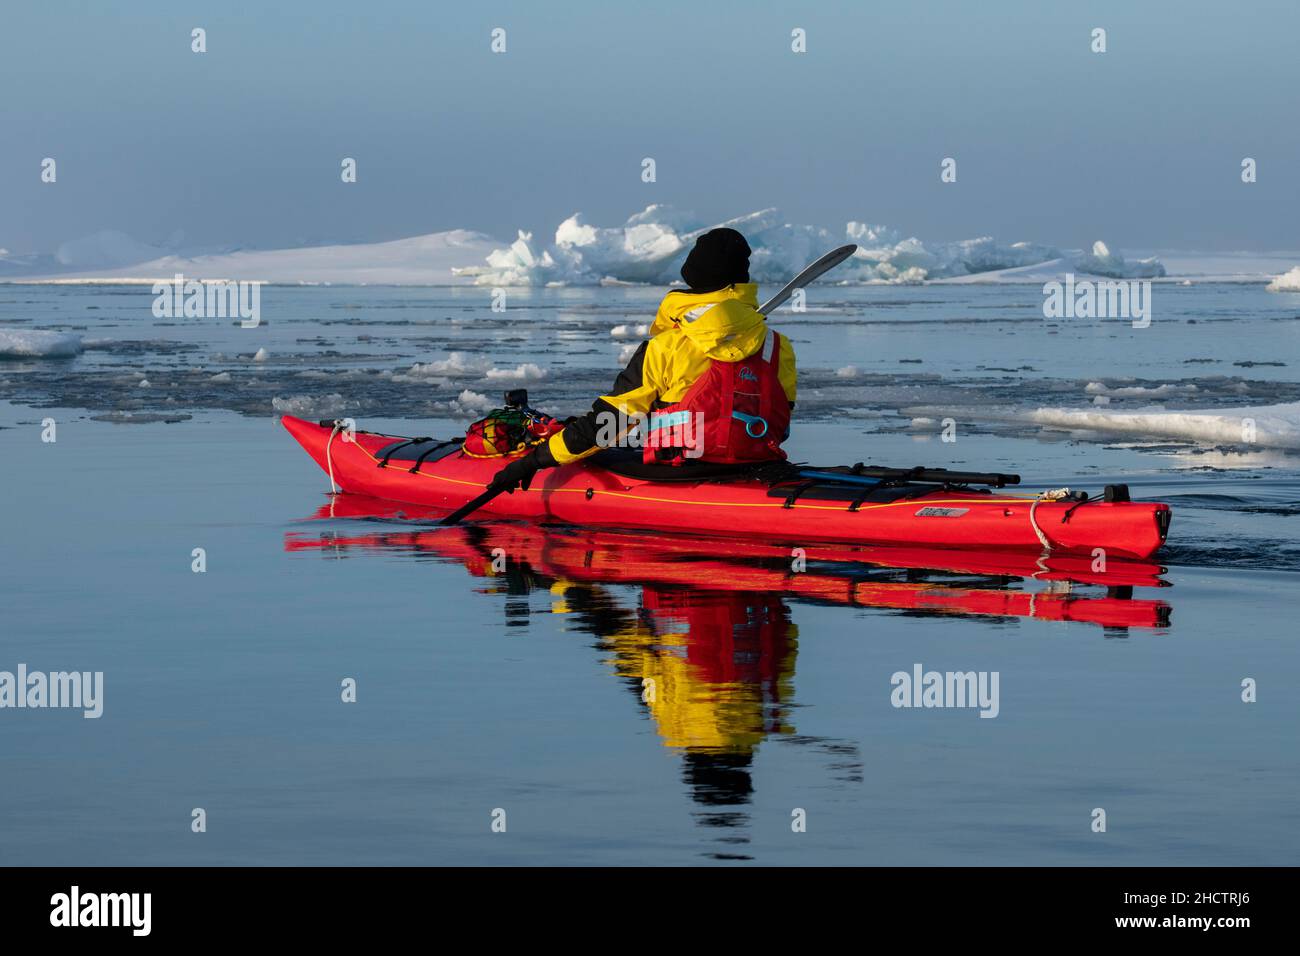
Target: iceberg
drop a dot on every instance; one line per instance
(647, 249)
(1102, 262)
(112, 257)
(106, 249)
(650, 246)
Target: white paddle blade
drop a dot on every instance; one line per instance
(823, 265)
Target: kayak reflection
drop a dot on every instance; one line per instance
(914, 580)
(708, 645)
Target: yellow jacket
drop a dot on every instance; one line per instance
(690, 330)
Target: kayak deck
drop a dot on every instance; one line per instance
(583, 493)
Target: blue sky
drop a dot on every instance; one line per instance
(1140, 146)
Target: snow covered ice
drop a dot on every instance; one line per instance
(650, 247)
(33, 343)
(1287, 282)
(646, 249)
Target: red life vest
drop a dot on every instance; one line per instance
(735, 412)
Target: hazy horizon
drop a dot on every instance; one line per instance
(1140, 146)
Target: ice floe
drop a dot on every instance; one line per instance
(1286, 282)
(311, 406)
(526, 372)
(35, 343)
(1272, 426)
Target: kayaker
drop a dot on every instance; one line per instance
(712, 382)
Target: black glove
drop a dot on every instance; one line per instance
(519, 473)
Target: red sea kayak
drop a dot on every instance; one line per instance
(440, 475)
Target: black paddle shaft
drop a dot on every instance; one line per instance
(938, 475)
(461, 513)
(919, 474)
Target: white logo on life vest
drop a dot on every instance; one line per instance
(932, 512)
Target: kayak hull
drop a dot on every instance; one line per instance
(585, 494)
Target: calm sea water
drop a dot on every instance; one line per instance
(522, 691)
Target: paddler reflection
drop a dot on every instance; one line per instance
(714, 671)
(708, 645)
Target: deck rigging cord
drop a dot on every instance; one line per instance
(329, 460)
